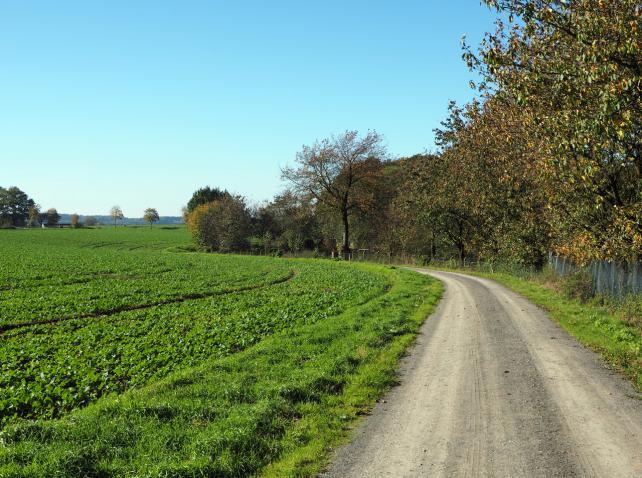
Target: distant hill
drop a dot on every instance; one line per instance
(66, 218)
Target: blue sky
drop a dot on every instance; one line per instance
(139, 103)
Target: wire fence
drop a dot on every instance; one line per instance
(609, 278)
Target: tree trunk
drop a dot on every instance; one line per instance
(462, 253)
(433, 246)
(345, 248)
(460, 244)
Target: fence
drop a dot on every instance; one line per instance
(609, 278)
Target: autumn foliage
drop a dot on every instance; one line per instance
(222, 225)
(548, 157)
(573, 70)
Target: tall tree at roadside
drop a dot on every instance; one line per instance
(488, 175)
(151, 216)
(575, 68)
(204, 196)
(116, 214)
(337, 173)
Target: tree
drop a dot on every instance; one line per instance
(337, 173)
(91, 221)
(14, 206)
(34, 215)
(489, 175)
(289, 220)
(205, 195)
(223, 225)
(52, 217)
(151, 216)
(116, 214)
(575, 69)
(75, 220)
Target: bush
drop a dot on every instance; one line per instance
(424, 260)
(222, 225)
(578, 285)
(629, 307)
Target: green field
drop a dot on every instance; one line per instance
(123, 353)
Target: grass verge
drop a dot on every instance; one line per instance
(602, 327)
(275, 409)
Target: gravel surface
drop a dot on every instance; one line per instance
(495, 388)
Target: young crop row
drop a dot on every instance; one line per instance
(177, 277)
(281, 404)
(57, 275)
(35, 258)
(46, 370)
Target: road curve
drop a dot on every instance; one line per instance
(495, 388)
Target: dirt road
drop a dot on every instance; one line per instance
(494, 388)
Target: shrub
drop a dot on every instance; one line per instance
(424, 260)
(222, 225)
(578, 285)
(630, 307)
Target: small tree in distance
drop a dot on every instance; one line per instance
(91, 221)
(52, 217)
(34, 215)
(116, 214)
(75, 218)
(151, 216)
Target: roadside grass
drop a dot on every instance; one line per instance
(275, 409)
(600, 323)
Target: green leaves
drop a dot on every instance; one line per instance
(210, 305)
(575, 71)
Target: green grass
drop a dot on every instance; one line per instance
(266, 383)
(599, 326)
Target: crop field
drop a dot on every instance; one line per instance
(86, 315)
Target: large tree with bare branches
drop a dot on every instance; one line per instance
(337, 172)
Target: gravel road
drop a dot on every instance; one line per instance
(495, 388)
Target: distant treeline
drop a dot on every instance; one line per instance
(17, 209)
(129, 221)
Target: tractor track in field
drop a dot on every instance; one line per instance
(494, 388)
(18, 327)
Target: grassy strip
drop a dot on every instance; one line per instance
(275, 409)
(599, 327)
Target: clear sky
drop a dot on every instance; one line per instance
(139, 103)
